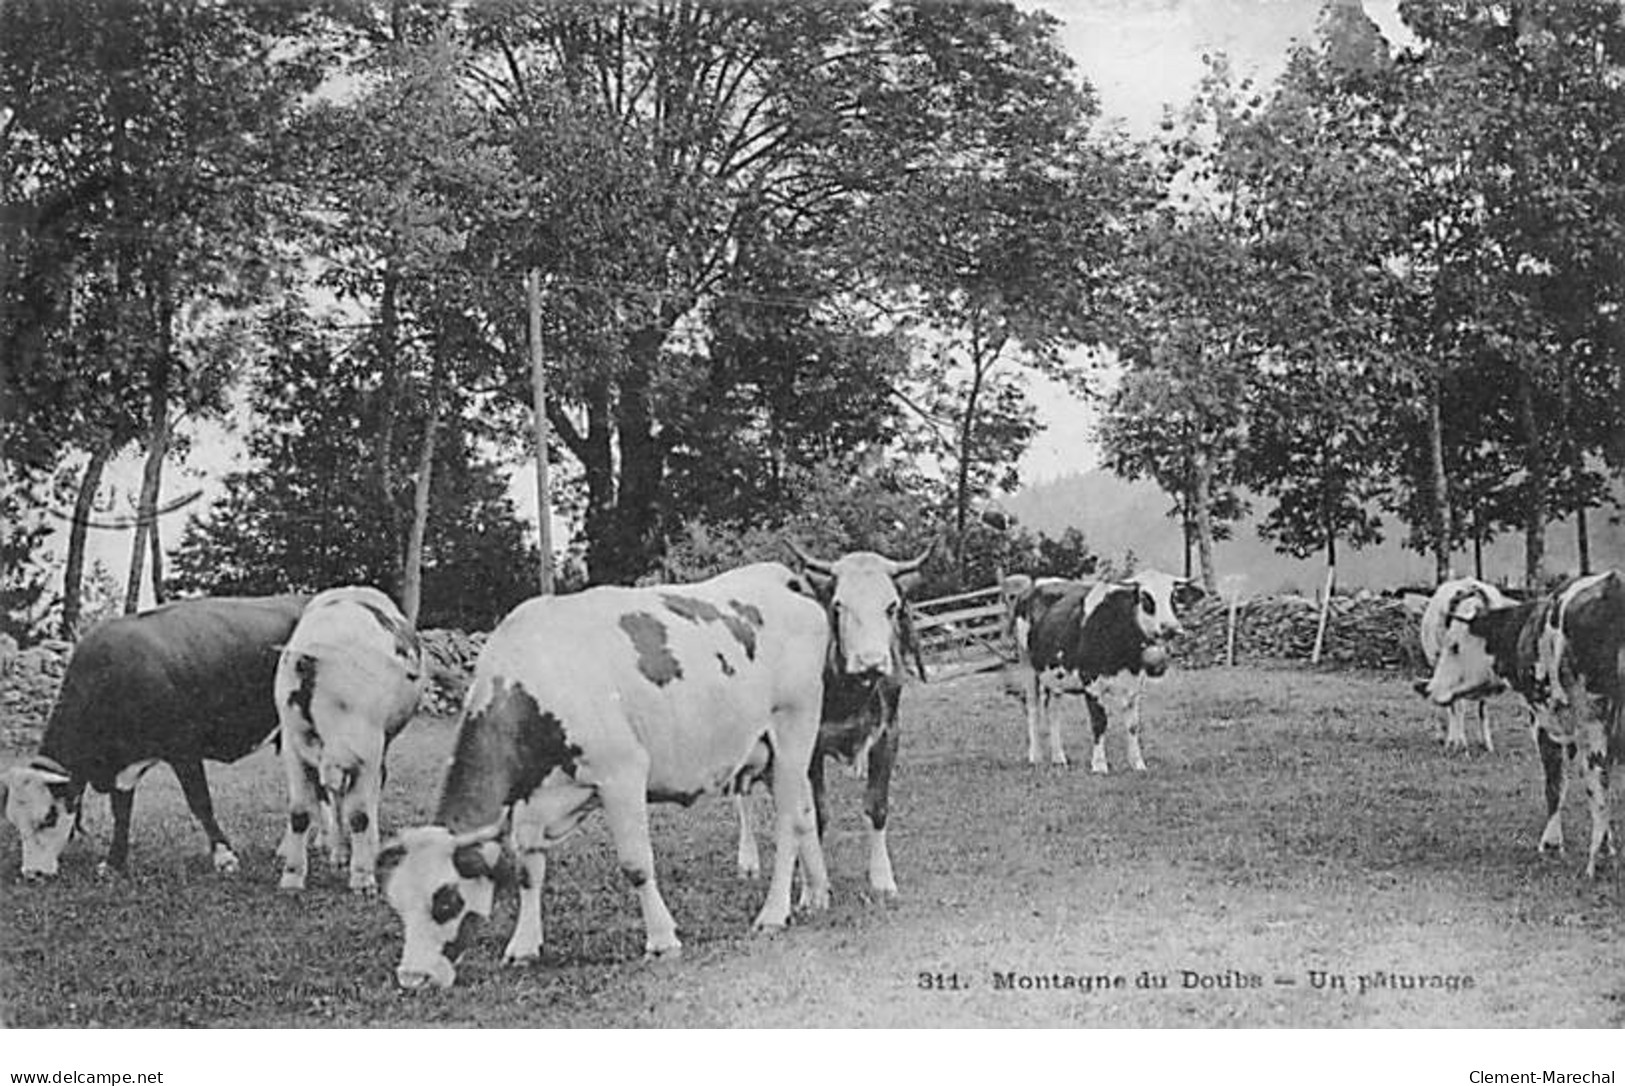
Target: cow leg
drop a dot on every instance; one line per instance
(796, 823)
(118, 856)
(304, 801)
(1097, 727)
(1484, 727)
(626, 807)
(1455, 732)
(1595, 771)
(538, 825)
(1551, 761)
(195, 786)
(808, 898)
(1136, 760)
(876, 806)
(1057, 752)
(750, 860)
(359, 808)
(1035, 712)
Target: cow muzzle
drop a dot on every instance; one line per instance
(440, 974)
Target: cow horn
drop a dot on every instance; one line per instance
(483, 834)
(912, 565)
(808, 561)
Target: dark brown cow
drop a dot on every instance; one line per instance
(182, 683)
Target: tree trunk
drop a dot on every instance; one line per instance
(157, 441)
(1582, 539)
(151, 478)
(389, 400)
(1441, 483)
(1202, 508)
(967, 434)
(74, 576)
(597, 464)
(1535, 500)
(156, 549)
(412, 573)
(643, 468)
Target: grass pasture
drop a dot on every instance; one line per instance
(1293, 824)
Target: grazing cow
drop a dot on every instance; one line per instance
(1098, 639)
(617, 697)
(1458, 601)
(1565, 653)
(863, 682)
(348, 682)
(186, 681)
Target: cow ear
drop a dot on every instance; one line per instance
(477, 861)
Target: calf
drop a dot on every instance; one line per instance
(1095, 639)
(1458, 601)
(1565, 653)
(184, 682)
(617, 697)
(862, 594)
(348, 681)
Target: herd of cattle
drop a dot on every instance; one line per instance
(618, 697)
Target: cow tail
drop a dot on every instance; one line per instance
(1616, 718)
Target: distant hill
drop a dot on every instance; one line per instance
(1117, 516)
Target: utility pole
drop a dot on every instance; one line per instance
(538, 380)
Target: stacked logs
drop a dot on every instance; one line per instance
(1370, 632)
(450, 655)
(29, 680)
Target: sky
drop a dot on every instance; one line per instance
(1137, 54)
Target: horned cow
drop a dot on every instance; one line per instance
(617, 697)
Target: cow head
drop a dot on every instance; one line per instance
(1157, 595)
(42, 800)
(863, 592)
(440, 883)
(1466, 664)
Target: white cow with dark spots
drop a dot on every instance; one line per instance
(348, 681)
(1455, 601)
(1098, 639)
(1565, 654)
(615, 698)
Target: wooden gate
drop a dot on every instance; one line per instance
(963, 634)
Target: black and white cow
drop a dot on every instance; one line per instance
(1565, 653)
(863, 593)
(617, 697)
(184, 682)
(348, 681)
(1098, 639)
(1456, 601)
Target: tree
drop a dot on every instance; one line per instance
(682, 148)
(303, 517)
(138, 141)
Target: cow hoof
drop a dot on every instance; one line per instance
(519, 959)
(364, 887)
(291, 882)
(225, 861)
(105, 870)
(663, 954)
(813, 902)
(769, 928)
(1139, 767)
(750, 872)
